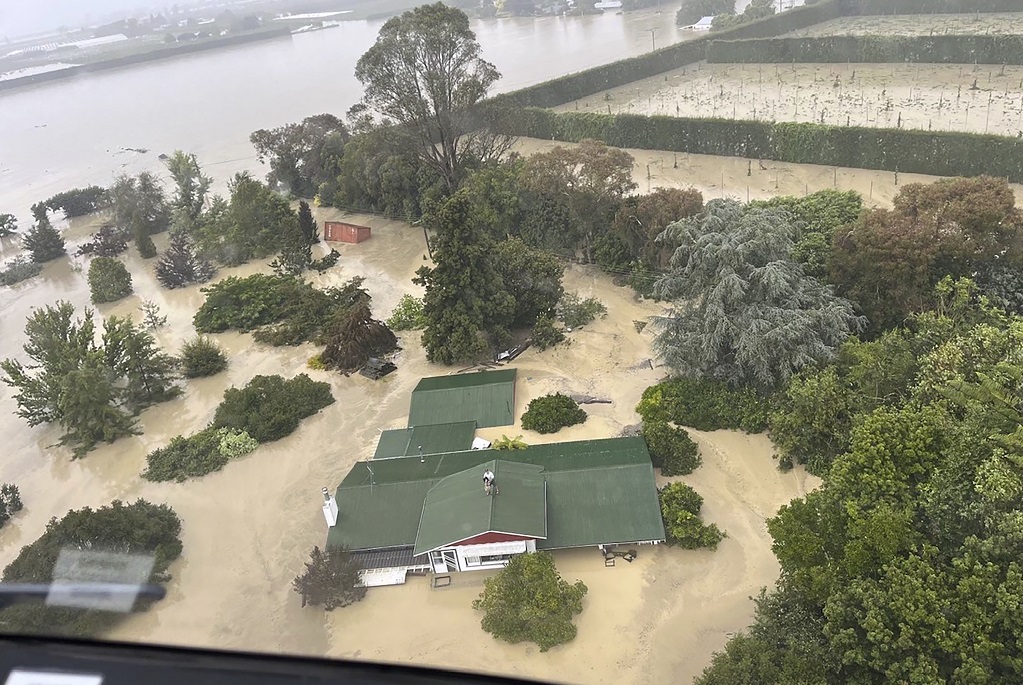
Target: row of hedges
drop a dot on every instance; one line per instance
(857, 7)
(940, 153)
(872, 49)
(581, 84)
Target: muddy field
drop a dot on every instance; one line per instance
(1005, 23)
(940, 97)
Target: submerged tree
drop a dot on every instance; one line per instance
(302, 155)
(355, 337)
(8, 225)
(307, 223)
(179, 266)
(109, 280)
(331, 579)
(132, 355)
(426, 73)
(191, 188)
(106, 242)
(44, 242)
(140, 209)
(744, 312)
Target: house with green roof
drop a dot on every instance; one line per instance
(429, 512)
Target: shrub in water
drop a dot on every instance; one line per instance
(551, 413)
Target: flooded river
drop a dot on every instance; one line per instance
(67, 133)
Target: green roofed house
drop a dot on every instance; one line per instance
(431, 513)
(487, 397)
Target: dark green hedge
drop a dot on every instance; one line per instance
(581, 84)
(876, 49)
(854, 7)
(941, 153)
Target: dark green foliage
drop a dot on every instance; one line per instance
(704, 405)
(44, 242)
(692, 11)
(353, 336)
(532, 277)
(546, 334)
(599, 79)
(109, 280)
(106, 242)
(303, 155)
(575, 312)
(331, 579)
(8, 225)
(10, 502)
(78, 201)
(138, 528)
(529, 601)
(269, 407)
(207, 451)
(281, 310)
(296, 254)
(144, 244)
(180, 266)
(408, 315)
(325, 262)
(19, 269)
(940, 153)
(201, 357)
(947, 49)
(88, 407)
(551, 413)
(307, 223)
(191, 189)
(132, 355)
(140, 209)
(638, 222)
(680, 509)
(671, 448)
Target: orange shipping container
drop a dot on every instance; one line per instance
(343, 232)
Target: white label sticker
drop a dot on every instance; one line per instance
(81, 578)
(22, 677)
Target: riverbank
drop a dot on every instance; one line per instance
(155, 55)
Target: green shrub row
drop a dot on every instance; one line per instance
(940, 153)
(704, 405)
(196, 455)
(551, 413)
(855, 7)
(873, 49)
(581, 84)
(671, 449)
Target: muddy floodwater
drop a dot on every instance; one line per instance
(248, 528)
(994, 23)
(938, 97)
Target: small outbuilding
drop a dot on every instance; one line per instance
(486, 397)
(344, 232)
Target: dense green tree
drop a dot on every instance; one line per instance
(258, 223)
(546, 334)
(641, 218)
(140, 209)
(8, 225)
(133, 355)
(75, 202)
(179, 266)
(745, 312)
(106, 242)
(532, 277)
(192, 188)
(302, 155)
(704, 405)
(407, 315)
(671, 449)
(465, 295)
(425, 72)
(353, 337)
(529, 601)
(88, 406)
(499, 197)
(307, 223)
(296, 253)
(551, 413)
(10, 502)
(591, 176)
(109, 280)
(331, 579)
(692, 11)
(44, 242)
(271, 407)
(202, 357)
(138, 528)
(680, 509)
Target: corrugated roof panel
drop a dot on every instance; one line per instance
(466, 380)
(488, 398)
(378, 516)
(608, 505)
(433, 438)
(457, 507)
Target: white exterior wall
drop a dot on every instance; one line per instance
(475, 557)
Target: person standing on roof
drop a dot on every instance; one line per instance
(488, 480)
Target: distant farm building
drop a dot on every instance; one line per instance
(703, 25)
(420, 506)
(344, 232)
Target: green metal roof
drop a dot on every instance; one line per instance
(457, 507)
(433, 438)
(487, 397)
(598, 492)
(602, 506)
